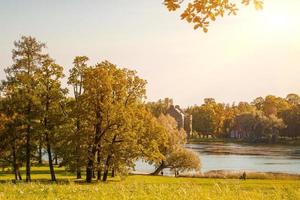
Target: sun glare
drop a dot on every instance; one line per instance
(278, 21)
(277, 18)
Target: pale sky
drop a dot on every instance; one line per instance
(252, 54)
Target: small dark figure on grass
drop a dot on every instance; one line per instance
(244, 176)
(162, 173)
(176, 173)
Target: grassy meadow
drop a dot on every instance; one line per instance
(146, 187)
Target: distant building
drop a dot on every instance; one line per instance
(184, 121)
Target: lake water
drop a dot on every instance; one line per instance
(231, 156)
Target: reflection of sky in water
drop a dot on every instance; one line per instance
(252, 163)
(270, 159)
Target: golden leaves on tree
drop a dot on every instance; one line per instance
(202, 12)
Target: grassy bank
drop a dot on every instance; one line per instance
(145, 187)
(148, 187)
(231, 174)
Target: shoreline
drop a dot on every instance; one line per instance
(231, 174)
(236, 174)
(282, 142)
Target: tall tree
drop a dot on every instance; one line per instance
(106, 94)
(76, 80)
(10, 137)
(208, 118)
(21, 83)
(51, 97)
(123, 139)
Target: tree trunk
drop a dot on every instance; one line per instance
(16, 174)
(15, 162)
(99, 170)
(113, 172)
(77, 150)
(109, 157)
(78, 173)
(28, 154)
(99, 174)
(90, 164)
(19, 173)
(89, 171)
(92, 151)
(106, 168)
(52, 172)
(40, 152)
(158, 170)
(105, 174)
(55, 159)
(47, 138)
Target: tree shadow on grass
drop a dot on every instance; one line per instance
(60, 181)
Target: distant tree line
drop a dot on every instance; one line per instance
(264, 119)
(102, 126)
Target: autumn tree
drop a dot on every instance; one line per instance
(293, 99)
(11, 146)
(182, 160)
(139, 136)
(76, 113)
(122, 146)
(258, 103)
(208, 118)
(101, 87)
(176, 157)
(152, 136)
(108, 94)
(160, 107)
(291, 117)
(258, 126)
(21, 85)
(273, 105)
(51, 96)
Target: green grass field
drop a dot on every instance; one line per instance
(147, 187)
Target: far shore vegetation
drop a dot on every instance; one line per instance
(269, 120)
(281, 141)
